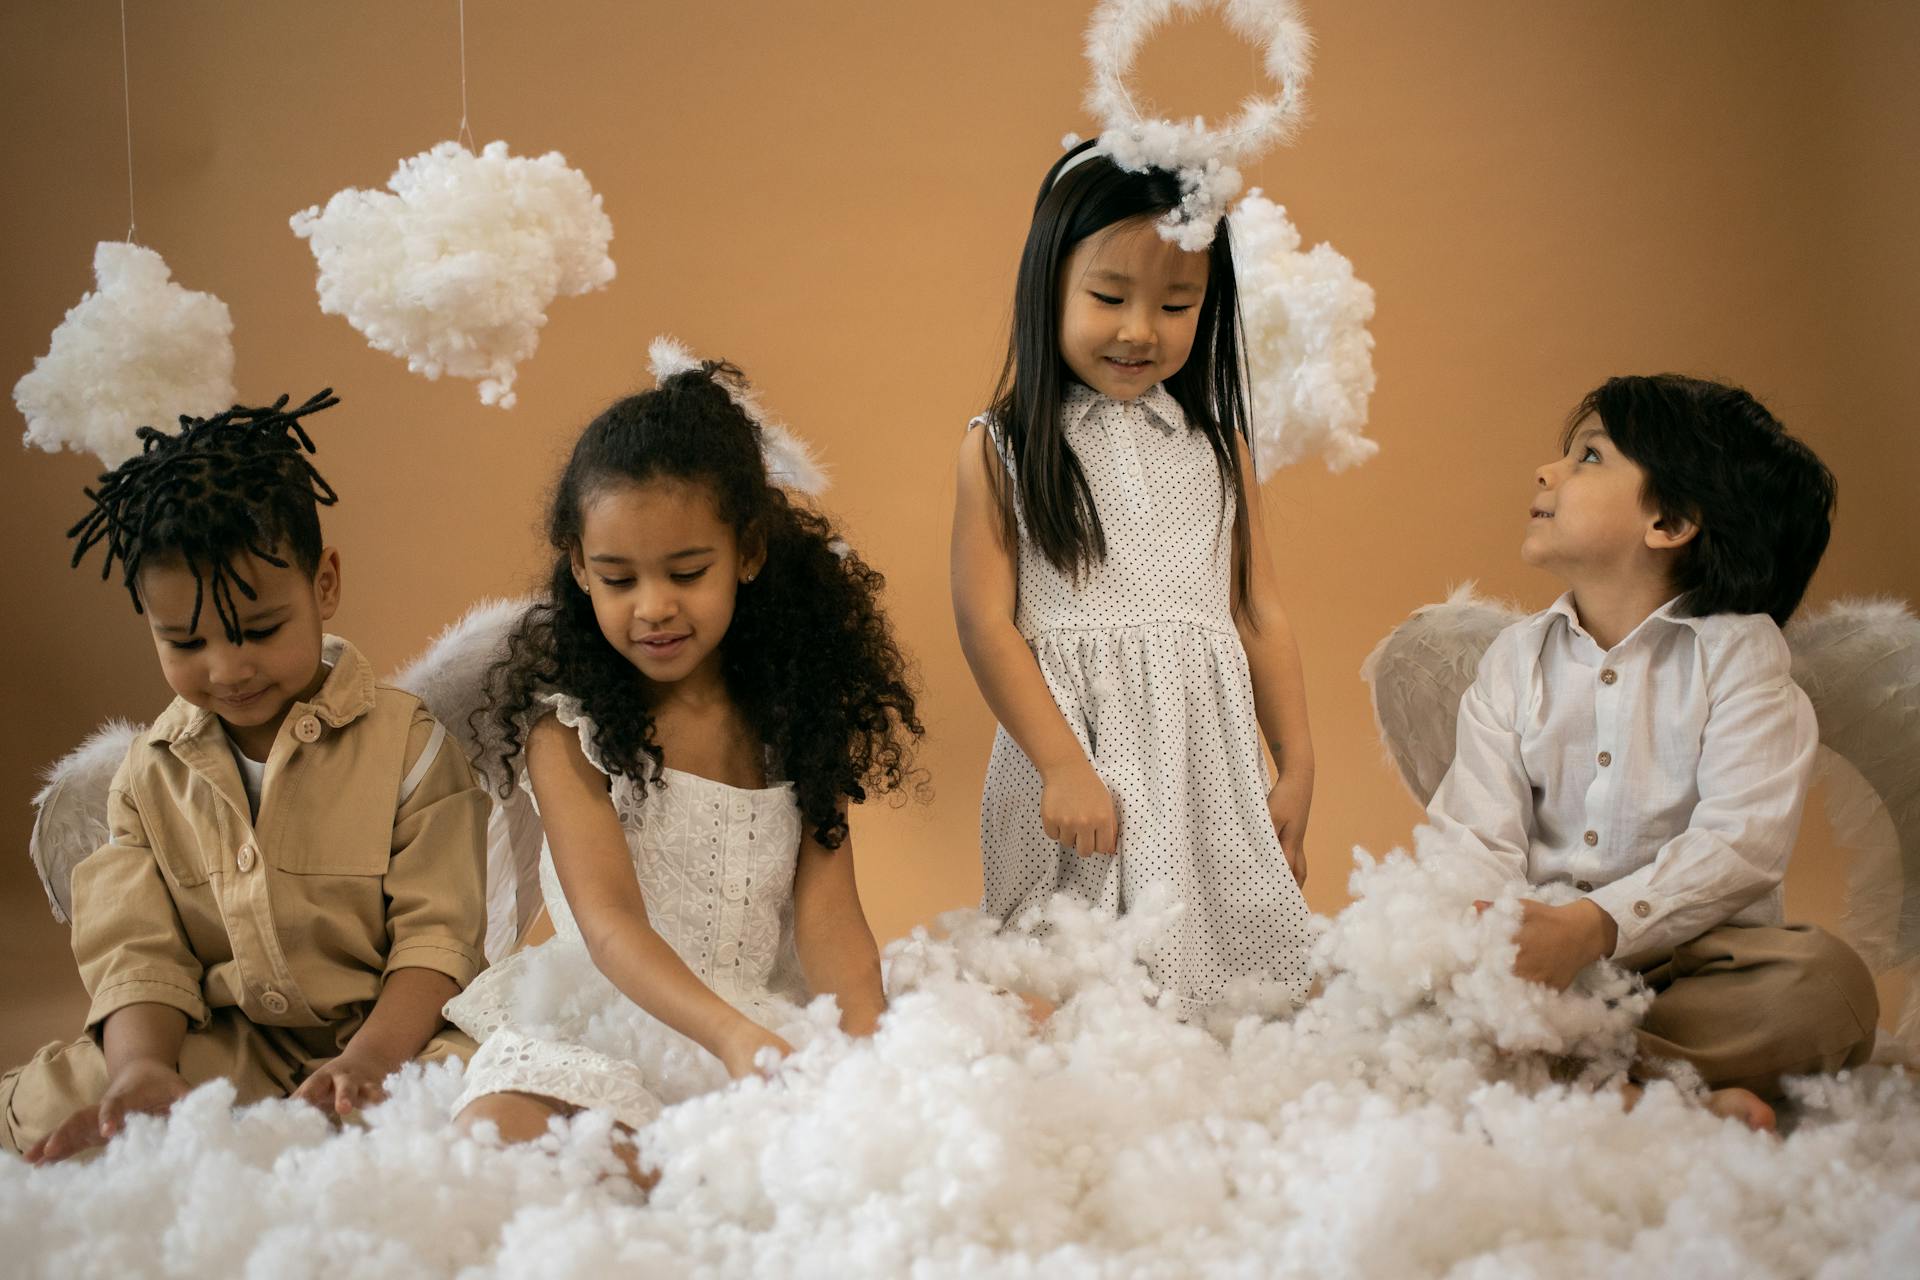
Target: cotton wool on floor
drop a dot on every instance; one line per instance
(1420, 1116)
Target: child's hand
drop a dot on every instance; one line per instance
(1287, 804)
(1077, 810)
(143, 1086)
(744, 1044)
(344, 1084)
(1556, 943)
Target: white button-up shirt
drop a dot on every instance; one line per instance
(1664, 777)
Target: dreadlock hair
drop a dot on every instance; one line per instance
(808, 659)
(238, 482)
(1048, 483)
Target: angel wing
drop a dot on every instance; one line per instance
(1859, 662)
(1418, 675)
(450, 677)
(71, 817)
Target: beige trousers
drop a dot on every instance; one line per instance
(263, 1062)
(1746, 1005)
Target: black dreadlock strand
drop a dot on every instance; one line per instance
(239, 481)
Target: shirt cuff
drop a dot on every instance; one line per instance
(446, 955)
(1635, 914)
(148, 986)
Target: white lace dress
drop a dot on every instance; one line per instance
(715, 864)
(1144, 660)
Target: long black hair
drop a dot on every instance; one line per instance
(1760, 500)
(809, 659)
(1051, 485)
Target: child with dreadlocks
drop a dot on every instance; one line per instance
(294, 881)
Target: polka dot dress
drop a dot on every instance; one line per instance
(1144, 662)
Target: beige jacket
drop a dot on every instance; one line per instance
(369, 855)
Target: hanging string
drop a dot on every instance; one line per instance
(126, 97)
(466, 134)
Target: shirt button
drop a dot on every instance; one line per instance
(1642, 910)
(244, 860)
(734, 887)
(277, 1003)
(1592, 837)
(307, 729)
(1609, 676)
(1606, 758)
(1584, 886)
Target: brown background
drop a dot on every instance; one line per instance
(833, 194)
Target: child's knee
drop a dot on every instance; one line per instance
(519, 1117)
(1837, 980)
(35, 1099)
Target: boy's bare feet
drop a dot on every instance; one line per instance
(1743, 1105)
(1729, 1104)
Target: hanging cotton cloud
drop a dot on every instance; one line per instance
(454, 266)
(1411, 1121)
(138, 351)
(1309, 355)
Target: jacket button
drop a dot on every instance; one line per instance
(277, 1003)
(1606, 758)
(1584, 886)
(1592, 838)
(307, 729)
(244, 860)
(1642, 910)
(1609, 676)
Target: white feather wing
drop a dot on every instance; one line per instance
(1859, 662)
(70, 821)
(450, 677)
(1418, 674)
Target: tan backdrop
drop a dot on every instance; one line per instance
(833, 194)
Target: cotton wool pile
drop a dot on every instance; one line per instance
(1405, 1123)
(136, 352)
(453, 267)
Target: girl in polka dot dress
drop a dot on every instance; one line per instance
(1116, 600)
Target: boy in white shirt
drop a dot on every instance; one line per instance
(1643, 740)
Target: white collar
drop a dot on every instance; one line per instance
(1667, 613)
(1159, 403)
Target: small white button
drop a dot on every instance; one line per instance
(244, 859)
(735, 887)
(274, 1001)
(307, 729)
(728, 954)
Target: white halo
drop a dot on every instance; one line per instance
(1119, 29)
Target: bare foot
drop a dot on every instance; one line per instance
(1038, 1010)
(1743, 1105)
(1729, 1104)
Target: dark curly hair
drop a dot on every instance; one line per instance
(1715, 457)
(809, 659)
(237, 482)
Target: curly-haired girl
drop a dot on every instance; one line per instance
(707, 683)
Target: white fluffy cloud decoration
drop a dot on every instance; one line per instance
(138, 351)
(1309, 355)
(453, 267)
